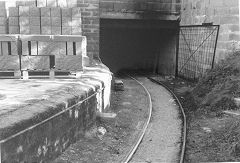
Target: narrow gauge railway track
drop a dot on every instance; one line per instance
(184, 129)
(143, 131)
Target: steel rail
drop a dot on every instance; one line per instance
(134, 148)
(183, 114)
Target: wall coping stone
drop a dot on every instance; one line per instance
(36, 100)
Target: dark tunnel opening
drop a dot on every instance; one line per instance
(140, 45)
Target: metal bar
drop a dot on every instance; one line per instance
(177, 51)
(38, 124)
(133, 150)
(0, 153)
(183, 26)
(19, 50)
(214, 53)
(8, 37)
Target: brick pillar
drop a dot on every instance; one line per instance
(90, 25)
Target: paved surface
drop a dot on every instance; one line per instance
(162, 140)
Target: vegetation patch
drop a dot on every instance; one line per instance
(212, 135)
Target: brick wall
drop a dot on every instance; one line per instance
(90, 25)
(222, 12)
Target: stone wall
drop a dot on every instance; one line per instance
(220, 12)
(140, 9)
(126, 26)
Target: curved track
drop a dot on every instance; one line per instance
(133, 150)
(138, 142)
(184, 136)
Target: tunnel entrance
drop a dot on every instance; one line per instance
(142, 45)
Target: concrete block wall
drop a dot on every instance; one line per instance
(13, 20)
(3, 18)
(45, 20)
(221, 12)
(79, 17)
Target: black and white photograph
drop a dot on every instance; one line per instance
(119, 81)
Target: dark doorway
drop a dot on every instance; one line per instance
(146, 45)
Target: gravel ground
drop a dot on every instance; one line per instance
(162, 140)
(131, 107)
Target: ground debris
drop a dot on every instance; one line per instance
(212, 109)
(214, 95)
(118, 85)
(206, 129)
(114, 132)
(101, 132)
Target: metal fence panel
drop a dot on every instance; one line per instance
(196, 50)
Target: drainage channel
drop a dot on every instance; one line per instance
(140, 140)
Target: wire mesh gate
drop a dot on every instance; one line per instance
(196, 50)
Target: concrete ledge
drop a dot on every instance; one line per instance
(41, 118)
(139, 15)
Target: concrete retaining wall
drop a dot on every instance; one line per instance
(54, 114)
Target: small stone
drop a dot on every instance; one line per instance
(237, 149)
(167, 77)
(101, 130)
(171, 100)
(148, 160)
(118, 85)
(237, 101)
(20, 149)
(126, 103)
(106, 115)
(206, 129)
